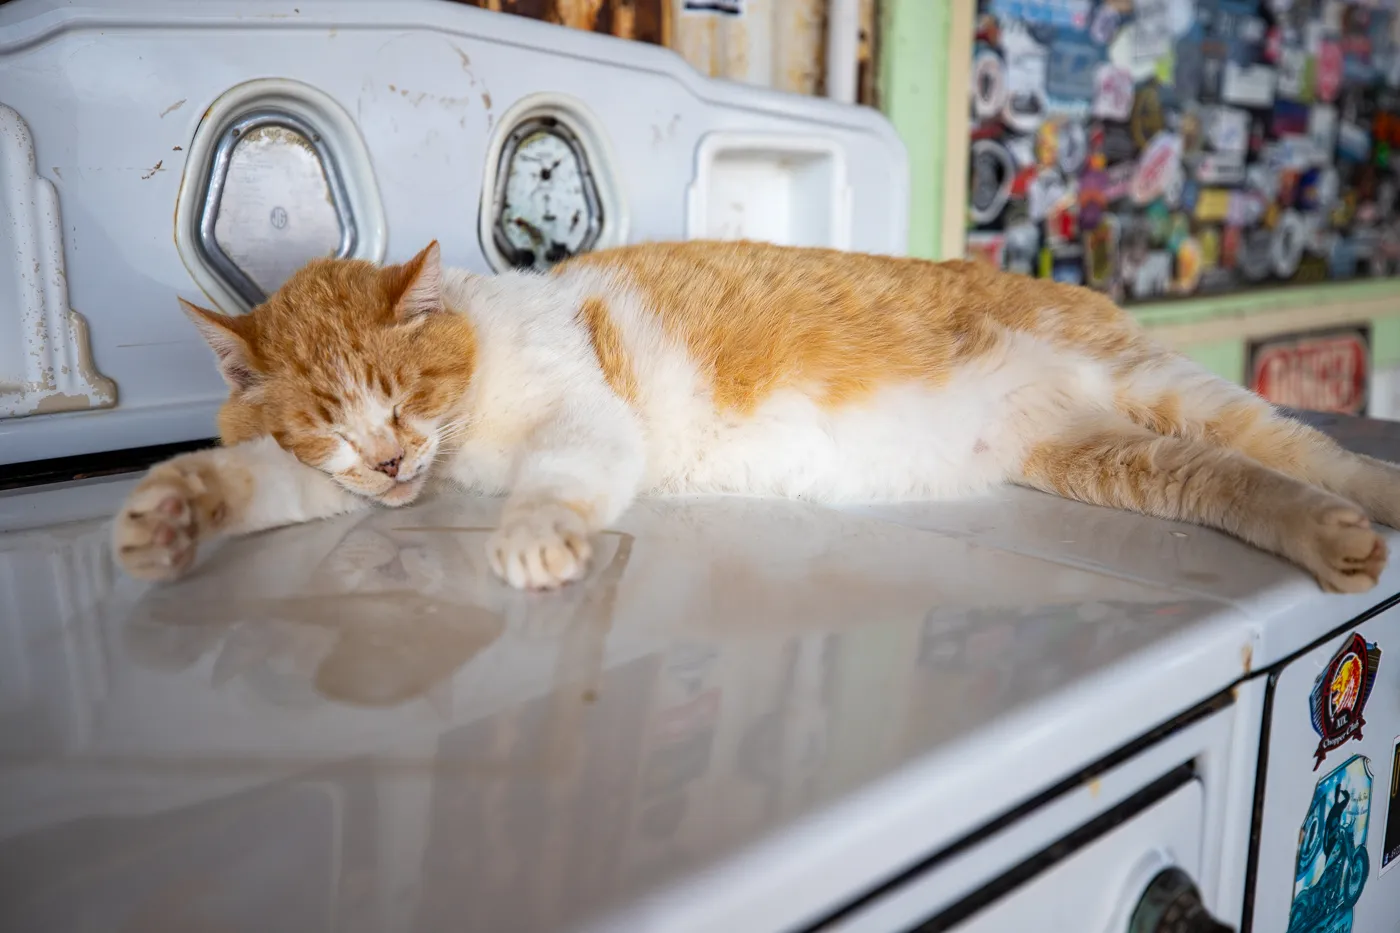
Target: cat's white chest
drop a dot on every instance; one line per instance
(481, 466)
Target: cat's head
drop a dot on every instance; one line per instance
(354, 368)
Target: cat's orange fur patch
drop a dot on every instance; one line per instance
(758, 318)
(609, 348)
(1163, 415)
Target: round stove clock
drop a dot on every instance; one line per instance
(547, 206)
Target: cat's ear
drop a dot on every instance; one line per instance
(234, 354)
(420, 286)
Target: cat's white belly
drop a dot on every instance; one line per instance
(908, 441)
(905, 443)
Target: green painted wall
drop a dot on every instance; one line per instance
(914, 95)
(1225, 358)
(1385, 341)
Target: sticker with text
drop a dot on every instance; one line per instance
(1390, 842)
(1339, 695)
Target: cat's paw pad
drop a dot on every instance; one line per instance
(156, 533)
(541, 547)
(1350, 554)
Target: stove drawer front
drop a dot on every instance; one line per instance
(1088, 880)
(1329, 817)
(1098, 886)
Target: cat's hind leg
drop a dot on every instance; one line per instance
(1107, 460)
(1201, 406)
(234, 490)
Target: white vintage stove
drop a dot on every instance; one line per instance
(1011, 714)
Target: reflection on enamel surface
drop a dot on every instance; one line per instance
(351, 726)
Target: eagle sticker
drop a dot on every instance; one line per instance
(1339, 695)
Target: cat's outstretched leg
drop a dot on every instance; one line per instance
(1114, 463)
(1256, 430)
(578, 471)
(223, 491)
(1205, 408)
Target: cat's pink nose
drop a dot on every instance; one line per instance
(389, 467)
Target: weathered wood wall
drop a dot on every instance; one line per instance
(642, 20)
(771, 43)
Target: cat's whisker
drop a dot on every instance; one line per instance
(451, 433)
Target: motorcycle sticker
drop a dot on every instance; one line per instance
(1339, 695)
(1332, 865)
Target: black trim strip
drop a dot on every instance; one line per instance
(1377, 609)
(1256, 819)
(1261, 768)
(86, 466)
(1057, 852)
(978, 835)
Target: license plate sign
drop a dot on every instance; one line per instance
(1320, 371)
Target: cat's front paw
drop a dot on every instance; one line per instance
(540, 547)
(156, 534)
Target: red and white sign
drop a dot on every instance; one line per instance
(1329, 71)
(1113, 93)
(1158, 168)
(1326, 371)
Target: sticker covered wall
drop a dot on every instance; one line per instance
(1156, 148)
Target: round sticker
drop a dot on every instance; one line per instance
(1022, 245)
(1105, 24)
(987, 247)
(1158, 170)
(1146, 120)
(1192, 133)
(1026, 62)
(1101, 253)
(1159, 223)
(1178, 229)
(1047, 144)
(1286, 248)
(1231, 247)
(1256, 254)
(1022, 149)
(1062, 221)
(1024, 110)
(1341, 261)
(1181, 16)
(1113, 93)
(1210, 246)
(1189, 265)
(1073, 147)
(988, 85)
(1045, 191)
(992, 173)
(1329, 71)
(1093, 197)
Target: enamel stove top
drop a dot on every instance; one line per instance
(752, 715)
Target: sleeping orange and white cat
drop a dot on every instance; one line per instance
(707, 367)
